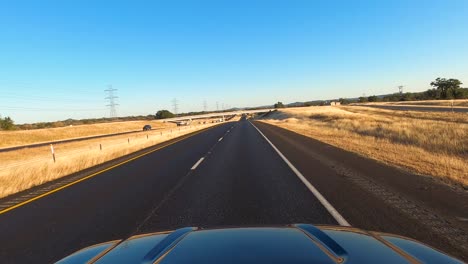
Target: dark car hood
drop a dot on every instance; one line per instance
(299, 243)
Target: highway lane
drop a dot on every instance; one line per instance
(240, 181)
(230, 175)
(105, 207)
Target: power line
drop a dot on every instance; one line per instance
(48, 109)
(44, 99)
(400, 89)
(111, 97)
(175, 106)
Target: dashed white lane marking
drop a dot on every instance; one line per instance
(198, 163)
(221, 138)
(338, 217)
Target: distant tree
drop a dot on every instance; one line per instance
(279, 105)
(392, 97)
(7, 123)
(161, 114)
(362, 99)
(407, 97)
(461, 93)
(448, 87)
(343, 101)
(373, 98)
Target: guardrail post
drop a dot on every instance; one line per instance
(53, 152)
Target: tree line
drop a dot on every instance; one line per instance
(443, 89)
(7, 123)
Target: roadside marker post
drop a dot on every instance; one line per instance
(53, 152)
(100, 146)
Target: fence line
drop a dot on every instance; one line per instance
(149, 137)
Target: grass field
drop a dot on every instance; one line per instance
(26, 168)
(25, 137)
(446, 103)
(428, 143)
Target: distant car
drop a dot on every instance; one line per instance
(300, 243)
(146, 128)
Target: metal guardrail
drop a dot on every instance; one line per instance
(98, 147)
(42, 144)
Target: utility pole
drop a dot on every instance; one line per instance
(175, 106)
(217, 106)
(204, 105)
(111, 97)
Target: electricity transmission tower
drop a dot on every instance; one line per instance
(217, 106)
(204, 105)
(175, 106)
(112, 102)
(400, 89)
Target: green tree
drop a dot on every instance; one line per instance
(279, 105)
(447, 87)
(407, 97)
(343, 101)
(461, 93)
(7, 123)
(161, 114)
(362, 99)
(372, 98)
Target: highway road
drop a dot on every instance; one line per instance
(231, 175)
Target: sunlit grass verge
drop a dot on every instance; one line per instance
(26, 168)
(428, 143)
(25, 137)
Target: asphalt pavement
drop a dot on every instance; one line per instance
(241, 181)
(228, 175)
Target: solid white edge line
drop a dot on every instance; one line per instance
(338, 217)
(196, 164)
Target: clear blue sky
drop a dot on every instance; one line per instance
(57, 57)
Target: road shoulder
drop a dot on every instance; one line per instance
(392, 200)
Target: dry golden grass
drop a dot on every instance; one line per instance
(445, 103)
(25, 137)
(25, 168)
(428, 143)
